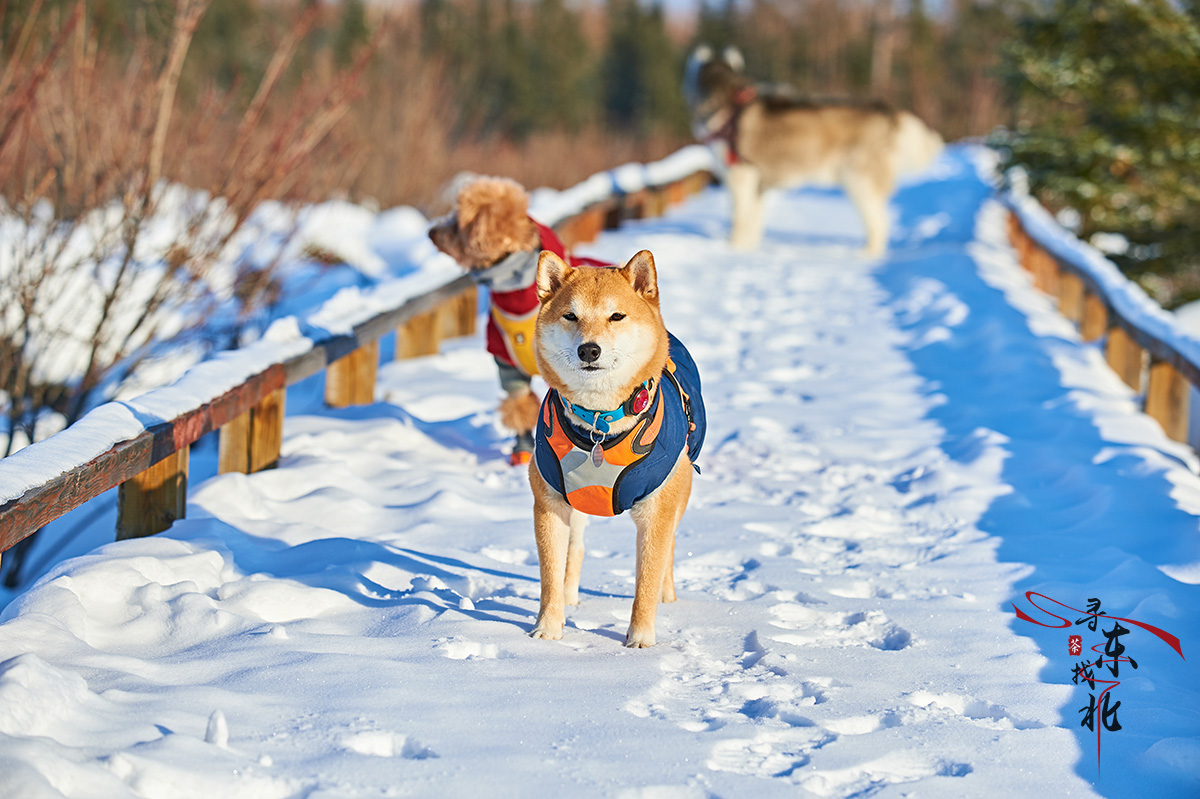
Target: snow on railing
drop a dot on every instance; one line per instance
(142, 444)
(1143, 343)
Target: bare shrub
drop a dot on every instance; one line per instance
(102, 256)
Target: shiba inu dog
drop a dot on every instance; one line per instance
(492, 236)
(620, 429)
(771, 138)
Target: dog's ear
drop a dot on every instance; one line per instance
(469, 202)
(551, 274)
(641, 274)
(733, 57)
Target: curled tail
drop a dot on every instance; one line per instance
(917, 145)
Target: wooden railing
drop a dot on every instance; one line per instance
(1143, 344)
(151, 467)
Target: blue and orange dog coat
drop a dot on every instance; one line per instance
(637, 461)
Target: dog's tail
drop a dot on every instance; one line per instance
(917, 145)
(519, 411)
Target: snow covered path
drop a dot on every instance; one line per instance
(896, 452)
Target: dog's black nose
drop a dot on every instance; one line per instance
(589, 352)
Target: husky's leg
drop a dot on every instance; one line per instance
(552, 529)
(870, 193)
(574, 557)
(745, 189)
(656, 517)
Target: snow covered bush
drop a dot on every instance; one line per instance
(105, 264)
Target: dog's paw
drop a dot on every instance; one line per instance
(547, 631)
(639, 639)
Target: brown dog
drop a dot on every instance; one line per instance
(491, 235)
(619, 430)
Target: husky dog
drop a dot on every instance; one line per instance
(620, 429)
(492, 236)
(772, 138)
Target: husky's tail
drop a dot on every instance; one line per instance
(917, 145)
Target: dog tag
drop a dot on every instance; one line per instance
(597, 455)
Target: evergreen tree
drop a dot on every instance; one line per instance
(515, 107)
(351, 31)
(642, 70)
(226, 45)
(1108, 96)
(562, 65)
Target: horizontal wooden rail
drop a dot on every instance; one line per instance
(151, 468)
(1147, 362)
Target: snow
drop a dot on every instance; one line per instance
(1188, 317)
(898, 450)
(551, 207)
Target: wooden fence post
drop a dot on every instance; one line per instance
(418, 336)
(468, 304)
(1167, 399)
(675, 192)
(595, 223)
(614, 214)
(233, 447)
(446, 319)
(252, 442)
(1015, 231)
(1037, 264)
(1070, 296)
(1045, 271)
(152, 500)
(664, 201)
(1125, 357)
(1053, 273)
(351, 380)
(635, 204)
(1095, 317)
(566, 232)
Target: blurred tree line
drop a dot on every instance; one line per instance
(1098, 100)
(1106, 104)
(539, 64)
(500, 80)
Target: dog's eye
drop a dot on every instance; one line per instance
(617, 317)
(570, 317)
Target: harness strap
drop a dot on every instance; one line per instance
(728, 130)
(687, 404)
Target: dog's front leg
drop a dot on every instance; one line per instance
(657, 517)
(574, 557)
(551, 527)
(653, 548)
